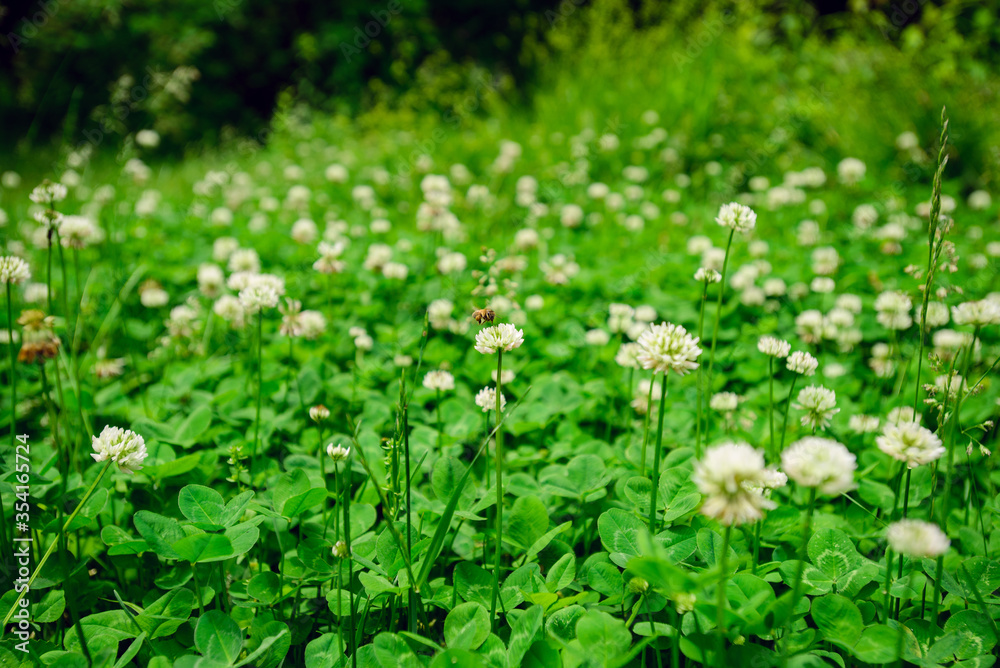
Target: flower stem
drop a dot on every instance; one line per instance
(499, 473)
(52, 545)
(656, 454)
(13, 409)
(718, 308)
(803, 553)
(260, 389)
(788, 409)
(720, 597)
(955, 429)
(770, 397)
(701, 372)
(645, 429)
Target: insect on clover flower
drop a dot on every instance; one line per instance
(122, 446)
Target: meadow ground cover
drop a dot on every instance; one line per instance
(622, 379)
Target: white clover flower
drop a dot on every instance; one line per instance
(736, 216)
(810, 326)
(47, 193)
(850, 171)
(230, 309)
(223, 248)
(13, 270)
(821, 463)
(773, 347)
(903, 414)
(728, 476)
(802, 363)
(645, 313)
(976, 313)
(504, 336)
(724, 402)
(395, 270)
(319, 413)
(863, 424)
(486, 399)
(917, 539)
(893, 310)
(244, 260)
(122, 446)
(911, 443)
(210, 280)
(820, 405)
(304, 231)
(78, 232)
(628, 356)
(707, 275)
(152, 295)
(452, 263)
(439, 380)
(668, 347)
(597, 337)
(256, 297)
(338, 452)
(329, 261)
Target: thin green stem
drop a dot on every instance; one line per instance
(701, 372)
(721, 598)
(645, 429)
(803, 553)
(718, 308)
(260, 390)
(657, 452)
(788, 409)
(770, 397)
(499, 474)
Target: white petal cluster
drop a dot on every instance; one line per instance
(917, 539)
(737, 217)
(439, 380)
(505, 337)
(821, 463)
(628, 356)
(48, 192)
(338, 452)
(486, 399)
(729, 476)
(254, 298)
(13, 270)
(893, 309)
(978, 313)
(802, 363)
(724, 402)
(819, 404)
(707, 275)
(122, 446)
(911, 443)
(668, 347)
(773, 347)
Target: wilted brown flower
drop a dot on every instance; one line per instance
(39, 340)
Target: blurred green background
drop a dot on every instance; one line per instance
(204, 73)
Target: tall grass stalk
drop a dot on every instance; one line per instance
(934, 247)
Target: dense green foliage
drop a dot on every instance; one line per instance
(241, 542)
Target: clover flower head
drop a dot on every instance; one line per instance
(122, 446)
(910, 442)
(821, 463)
(736, 216)
(729, 476)
(668, 347)
(917, 539)
(503, 337)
